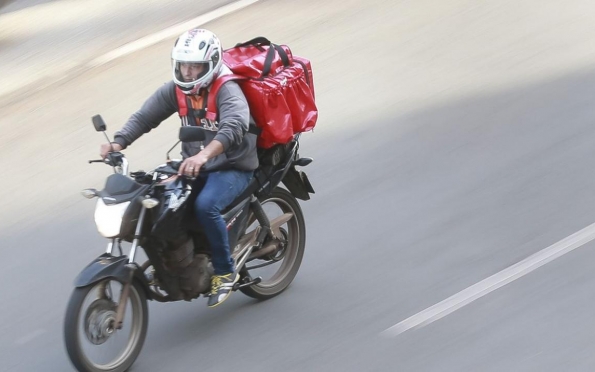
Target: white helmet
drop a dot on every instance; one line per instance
(196, 60)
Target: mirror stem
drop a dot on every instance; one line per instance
(108, 140)
(167, 155)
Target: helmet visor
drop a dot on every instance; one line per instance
(190, 72)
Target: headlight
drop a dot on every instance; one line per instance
(108, 218)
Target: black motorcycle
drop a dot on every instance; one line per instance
(107, 316)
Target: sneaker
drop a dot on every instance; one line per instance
(221, 287)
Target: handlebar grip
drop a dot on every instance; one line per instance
(169, 169)
(166, 171)
(175, 164)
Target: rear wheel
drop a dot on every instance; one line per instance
(279, 268)
(92, 341)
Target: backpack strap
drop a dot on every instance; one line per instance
(182, 103)
(257, 41)
(270, 56)
(214, 91)
(212, 99)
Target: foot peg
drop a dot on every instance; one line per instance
(246, 282)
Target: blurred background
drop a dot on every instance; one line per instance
(455, 139)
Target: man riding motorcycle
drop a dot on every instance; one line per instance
(223, 164)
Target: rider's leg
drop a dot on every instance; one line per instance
(219, 190)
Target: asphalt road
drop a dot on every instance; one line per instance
(43, 41)
(455, 139)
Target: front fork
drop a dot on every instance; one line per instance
(131, 266)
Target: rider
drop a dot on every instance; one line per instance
(224, 167)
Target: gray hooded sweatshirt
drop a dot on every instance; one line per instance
(230, 128)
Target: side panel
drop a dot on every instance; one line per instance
(298, 184)
(237, 225)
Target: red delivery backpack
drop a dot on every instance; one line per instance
(278, 86)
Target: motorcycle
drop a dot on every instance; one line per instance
(153, 211)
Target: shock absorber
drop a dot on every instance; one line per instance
(262, 219)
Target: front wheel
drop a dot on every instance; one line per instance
(92, 341)
(279, 269)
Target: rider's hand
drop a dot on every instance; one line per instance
(107, 148)
(191, 166)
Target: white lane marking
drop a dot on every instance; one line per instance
(30, 337)
(494, 282)
(169, 32)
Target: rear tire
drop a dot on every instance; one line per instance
(294, 251)
(76, 311)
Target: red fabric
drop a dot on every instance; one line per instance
(310, 79)
(248, 60)
(281, 103)
(212, 100)
(182, 104)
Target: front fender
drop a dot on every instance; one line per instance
(103, 267)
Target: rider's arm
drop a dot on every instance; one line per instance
(213, 149)
(158, 107)
(192, 165)
(234, 115)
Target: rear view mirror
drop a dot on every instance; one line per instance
(99, 123)
(192, 134)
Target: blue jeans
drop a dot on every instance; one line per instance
(219, 190)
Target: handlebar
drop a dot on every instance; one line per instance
(172, 172)
(172, 168)
(116, 160)
(175, 164)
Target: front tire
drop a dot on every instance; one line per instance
(91, 323)
(295, 237)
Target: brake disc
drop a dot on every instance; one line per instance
(100, 320)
